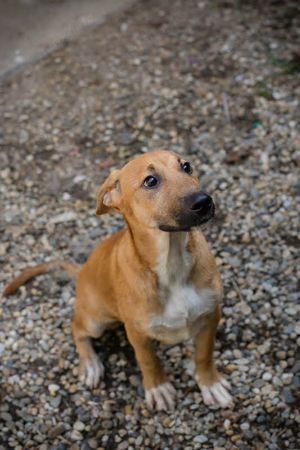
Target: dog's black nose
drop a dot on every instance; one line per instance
(201, 203)
(196, 208)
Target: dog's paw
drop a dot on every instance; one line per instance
(217, 393)
(161, 397)
(91, 371)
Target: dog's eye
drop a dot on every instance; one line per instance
(187, 168)
(150, 181)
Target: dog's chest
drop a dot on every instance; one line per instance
(183, 305)
(183, 314)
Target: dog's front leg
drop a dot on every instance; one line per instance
(159, 393)
(213, 386)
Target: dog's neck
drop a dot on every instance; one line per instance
(173, 259)
(164, 253)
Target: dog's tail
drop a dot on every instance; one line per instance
(31, 272)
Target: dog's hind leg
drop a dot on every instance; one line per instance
(91, 368)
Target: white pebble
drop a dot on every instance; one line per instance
(79, 426)
(201, 438)
(53, 388)
(226, 424)
(245, 426)
(267, 376)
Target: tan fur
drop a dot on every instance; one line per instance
(31, 272)
(161, 285)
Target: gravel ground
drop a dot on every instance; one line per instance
(217, 81)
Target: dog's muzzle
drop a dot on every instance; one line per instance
(196, 209)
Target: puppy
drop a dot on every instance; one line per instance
(157, 276)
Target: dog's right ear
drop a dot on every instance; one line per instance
(109, 194)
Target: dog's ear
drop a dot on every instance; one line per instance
(109, 194)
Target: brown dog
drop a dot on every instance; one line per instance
(157, 276)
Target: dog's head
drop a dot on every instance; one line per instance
(158, 190)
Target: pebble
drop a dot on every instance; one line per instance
(3, 248)
(76, 435)
(56, 401)
(288, 396)
(53, 388)
(57, 430)
(267, 376)
(201, 438)
(79, 426)
(227, 424)
(63, 217)
(245, 426)
(6, 417)
(287, 378)
(23, 137)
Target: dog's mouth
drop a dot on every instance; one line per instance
(188, 219)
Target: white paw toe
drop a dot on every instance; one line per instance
(225, 383)
(161, 397)
(91, 372)
(216, 394)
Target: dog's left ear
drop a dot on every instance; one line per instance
(109, 194)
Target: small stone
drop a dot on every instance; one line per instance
(128, 410)
(3, 249)
(281, 355)
(243, 307)
(201, 438)
(79, 178)
(231, 367)
(245, 426)
(246, 237)
(57, 430)
(288, 396)
(235, 437)
(166, 422)
(134, 380)
(23, 118)
(6, 417)
(56, 401)
(43, 447)
(150, 430)
(79, 426)
(23, 137)
(227, 424)
(53, 388)
(237, 354)
(296, 382)
(287, 378)
(93, 443)
(76, 435)
(139, 440)
(68, 216)
(267, 376)
(125, 138)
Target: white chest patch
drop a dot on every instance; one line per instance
(183, 314)
(183, 305)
